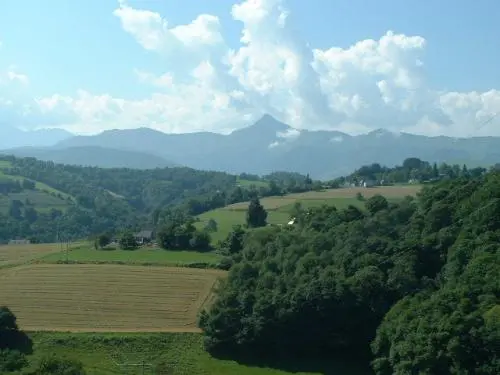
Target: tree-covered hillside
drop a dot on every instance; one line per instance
(411, 170)
(44, 201)
(414, 286)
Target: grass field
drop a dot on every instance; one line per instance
(143, 256)
(172, 354)
(18, 254)
(107, 298)
(279, 208)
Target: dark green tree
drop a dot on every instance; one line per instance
(376, 203)
(256, 214)
(127, 241)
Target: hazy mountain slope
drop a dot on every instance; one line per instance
(11, 137)
(94, 156)
(270, 145)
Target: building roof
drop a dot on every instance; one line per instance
(144, 234)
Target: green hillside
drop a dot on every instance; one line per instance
(78, 202)
(281, 209)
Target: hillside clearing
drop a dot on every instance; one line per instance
(106, 298)
(279, 208)
(16, 254)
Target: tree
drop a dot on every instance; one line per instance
(7, 320)
(28, 184)
(15, 209)
(211, 226)
(127, 241)
(13, 342)
(233, 243)
(104, 240)
(256, 214)
(376, 204)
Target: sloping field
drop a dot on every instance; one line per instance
(16, 254)
(106, 298)
(272, 203)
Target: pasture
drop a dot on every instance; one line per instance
(17, 254)
(106, 298)
(142, 256)
(279, 208)
(166, 353)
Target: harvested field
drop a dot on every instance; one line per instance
(16, 254)
(273, 203)
(101, 298)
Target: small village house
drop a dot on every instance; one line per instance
(144, 237)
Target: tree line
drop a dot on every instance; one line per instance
(411, 170)
(413, 287)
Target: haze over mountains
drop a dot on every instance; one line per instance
(264, 147)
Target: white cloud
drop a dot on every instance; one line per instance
(153, 33)
(14, 76)
(375, 83)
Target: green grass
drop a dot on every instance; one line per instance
(153, 256)
(5, 164)
(171, 353)
(226, 219)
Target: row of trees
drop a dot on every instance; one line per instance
(411, 169)
(413, 286)
(9, 185)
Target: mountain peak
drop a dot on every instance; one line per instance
(268, 122)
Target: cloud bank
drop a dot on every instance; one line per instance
(379, 83)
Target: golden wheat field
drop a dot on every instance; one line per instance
(272, 203)
(99, 298)
(15, 254)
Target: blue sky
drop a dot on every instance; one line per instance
(86, 65)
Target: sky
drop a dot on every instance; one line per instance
(418, 66)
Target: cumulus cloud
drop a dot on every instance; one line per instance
(375, 83)
(152, 31)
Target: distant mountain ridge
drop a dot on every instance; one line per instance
(94, 156)
(11, 137)
(270, 145)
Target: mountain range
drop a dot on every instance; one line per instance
(264, 147)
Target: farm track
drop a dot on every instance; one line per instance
(106, 298)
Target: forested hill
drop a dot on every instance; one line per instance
(414, 286)
(39, 198)
(411, 170)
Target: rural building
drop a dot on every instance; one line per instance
(19, 242)
(144, 236)
(368, 183)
